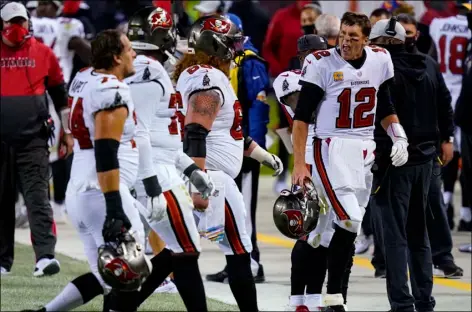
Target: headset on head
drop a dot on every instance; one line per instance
(30, 23)
(390, 30)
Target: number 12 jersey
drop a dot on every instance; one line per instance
(350, 102)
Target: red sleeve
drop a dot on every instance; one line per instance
(271, 43)
(55, 76)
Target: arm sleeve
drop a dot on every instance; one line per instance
(385, 105)
(310, 98)
(145, 111)
(58, 95)
(445, 113)
(55, 76)
(313, 72)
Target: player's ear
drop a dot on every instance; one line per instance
(117, 59)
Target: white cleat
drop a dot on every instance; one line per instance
(363, 244)
(45, 267)
(167, 287)
(4, 271)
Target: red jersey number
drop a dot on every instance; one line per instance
(364, 95)
(237, 129)
(457, 49)
(194, 68)
(77, 124)
(322, 53)
(178, 118)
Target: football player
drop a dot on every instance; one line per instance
(159, 138)
(105, 164)
(65, 36)
(211, 105)
(451, 36)
(342, 87)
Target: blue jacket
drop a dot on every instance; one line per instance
(256, 82)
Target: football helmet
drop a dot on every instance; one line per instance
(216, 36)
(296, 212)
(152, 28)
(123, 266)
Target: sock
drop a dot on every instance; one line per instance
(189, 282)
(447, 198)
(466, 214)
(78, 292)
(347, 274)
(161, 268)
(313, 301)
(125, 301)
(298, 277)
(340, 250)
(317, 269)
(241, 282)
(297, 300)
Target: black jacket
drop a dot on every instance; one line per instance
(413, 94)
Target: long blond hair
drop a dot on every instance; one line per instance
(200, 58)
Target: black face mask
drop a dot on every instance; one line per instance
(410, 44)
(309, 29)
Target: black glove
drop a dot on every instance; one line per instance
(116, 223)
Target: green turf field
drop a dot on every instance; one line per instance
(20, 290)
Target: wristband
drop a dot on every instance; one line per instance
(260, 154)
(396, 132)
(190, 169)
(113, 203)
(65, 120)
(152, 186)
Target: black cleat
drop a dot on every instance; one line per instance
(336, 308)
(43, 309)
(220, 277)
(260, 277)
(380, 273)
(449, 270)
(464, 226)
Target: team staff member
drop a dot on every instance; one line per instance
(29, 69)
(250, 80)
(462, 117)
(399, 206)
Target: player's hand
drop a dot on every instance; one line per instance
(299, 174)
(399, 152)
(115, 227)
(203, 183)
(68, 143)
(156, 208)
(274, 162)
(200, 203)
(447, 153)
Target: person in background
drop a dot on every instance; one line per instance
(211, 7)
(26, 128)
(250, 81)
(254, 17)
(450, 36)
(379, 14)
(308, 12)
(463, 116)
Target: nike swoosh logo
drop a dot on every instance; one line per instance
(256, 77)
(309, 62)
(284, 75)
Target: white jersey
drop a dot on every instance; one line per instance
(159, 108)
(89, 93)
(350, 102)
(451, 36)
(285, 84)
(225, 142)
(56, 33)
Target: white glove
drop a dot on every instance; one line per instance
(156, 208)
(274, 162)
(399, 152)
(203, 183)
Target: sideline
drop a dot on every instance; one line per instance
(363, 262)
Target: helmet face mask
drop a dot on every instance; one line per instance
(296, 213)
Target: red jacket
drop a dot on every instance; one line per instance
(26, 74)
(280, 43)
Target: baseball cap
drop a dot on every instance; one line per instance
(311, 42)
(235, 20)
(207, 6)
(381, 29)
(12, 10)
